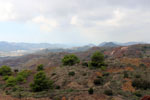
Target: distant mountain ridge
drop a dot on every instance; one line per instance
(115, 44)
(11, 46)
(19, 49)
(108, 44)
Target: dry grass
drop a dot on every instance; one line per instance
(127, 86)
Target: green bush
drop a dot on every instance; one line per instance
(142, 65)
(141, 84)
(85, 64)
(41, 82)
(57, 87)
(24, 73)
(126, 75)
(40, 67)
(71, 73)
(91, 91)
(138, 94)
(105, 74)
(5, 78)
(99, 81)
(103, 68)
(20, 78)
(70, 60)
(108, 92)
(5, 70)
(11, 81)
(97, 60)
(16, 70)
(137, 76)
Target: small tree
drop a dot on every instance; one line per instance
(108, 92)
(97, 60)
(24, 73)
(70, 60)
(40, 67)
(91, 91)
(41, 82)
(11, 81)
(5, 70)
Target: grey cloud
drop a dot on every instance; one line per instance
(95, 18)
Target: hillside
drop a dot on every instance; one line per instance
(125, 64)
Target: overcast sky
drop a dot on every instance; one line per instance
(74, 21)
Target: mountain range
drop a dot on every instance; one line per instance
(19, 49)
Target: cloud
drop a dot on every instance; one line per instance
(94, 20)
(45, 23)
(7, 11)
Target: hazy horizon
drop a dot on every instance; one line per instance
(74, 22)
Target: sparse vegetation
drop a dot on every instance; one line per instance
(125, 77)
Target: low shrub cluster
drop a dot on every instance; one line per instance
(72, 73)
(108, 92)
(99, 81)
(90, 91)
(141, 84)
(18, 79)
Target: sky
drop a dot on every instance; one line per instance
(74, 21)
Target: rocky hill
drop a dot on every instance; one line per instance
(126, 65)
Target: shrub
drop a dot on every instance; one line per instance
(20, 78)
(5, 78)
(108, 92)
(24, 73)
(70, 60)
(5, 70)
(11, 81)
(71, 73)
(84, 74)
(57, 87)
(141, 84)
(105, 74)
(97, 60)
(103, 68)
(40, 67)
(126, 75)
(138, 94)
(98, 81)
(41, 82)
(91, 91)
(142, 65)
(16, 70)
(85, 64)
(137, 76)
